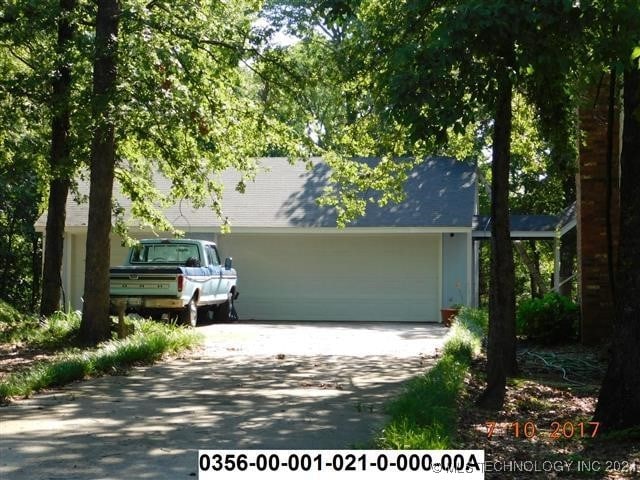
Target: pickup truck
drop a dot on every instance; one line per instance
(180, 277)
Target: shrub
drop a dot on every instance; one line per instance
(10, 319)
(550, 319)
(54, 332)
(474, 319)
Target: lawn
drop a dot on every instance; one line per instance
(36, 354)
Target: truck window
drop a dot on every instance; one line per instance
(212, 255)
(164, 253)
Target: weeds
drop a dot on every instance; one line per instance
(51, 333)
(150, 342)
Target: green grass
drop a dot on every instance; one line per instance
(51, 333)
(533, 405)
(424, 416)
(150, 342)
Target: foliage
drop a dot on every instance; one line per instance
(150, 342)
(475, 320)
(21, 154)
(186, 104)
(550, 319)
(430, 71)
(54, 332)
(10, 318)
(28, 35)
(424, 416)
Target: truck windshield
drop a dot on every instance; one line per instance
(160, 253)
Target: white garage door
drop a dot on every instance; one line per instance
(336, 277)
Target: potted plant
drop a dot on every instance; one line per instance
(449, 313)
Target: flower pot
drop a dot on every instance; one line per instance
(447, 315)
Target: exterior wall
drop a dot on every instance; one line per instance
(77, 259)
(76, 262)
(455, 269)
(406, 266)
(594, 286)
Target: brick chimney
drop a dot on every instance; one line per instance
(594, 286)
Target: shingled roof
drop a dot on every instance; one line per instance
(522, 226)
(440, 192)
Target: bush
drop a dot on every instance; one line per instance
(54, 332)
(474, 319)
(550, 319)
(9, 316)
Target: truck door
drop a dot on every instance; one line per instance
(215, 270)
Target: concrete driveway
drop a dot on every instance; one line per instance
(257, 385)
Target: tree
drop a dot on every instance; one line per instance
(20, 198)
(427, 70)
(61, 164)
(436, 69)
(501, 348)
(420, 62)
(182, 106)
(619, 400)
(23, 142)
(47, 95)
(94, 326)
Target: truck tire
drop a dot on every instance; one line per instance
(221, 313)
(205, 314)
(189, 315)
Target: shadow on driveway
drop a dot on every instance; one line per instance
(151, 423)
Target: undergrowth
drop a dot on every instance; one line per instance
(51, 333)
(150, 342)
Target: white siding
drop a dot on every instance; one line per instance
(455, 268)
(336, 277)
(76, 261)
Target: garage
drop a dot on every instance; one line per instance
(399, 262)
(336, 277)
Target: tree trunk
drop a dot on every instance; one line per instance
(532, 263)
(60, 166)
(568, 248)
(36, 266)
(53, 246)
(96, 324)
(619, 401)
(10, 258)
(501, 347)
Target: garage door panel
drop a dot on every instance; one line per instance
(336, 277)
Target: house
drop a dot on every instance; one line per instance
(398, 263)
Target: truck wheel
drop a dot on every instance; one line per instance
(205, 314)
(189, 315)
(222, 312)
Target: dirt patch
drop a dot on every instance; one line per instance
(545, 430)
(17, 357)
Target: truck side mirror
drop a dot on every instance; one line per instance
(228, 262)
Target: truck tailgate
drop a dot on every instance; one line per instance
(144, 281)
